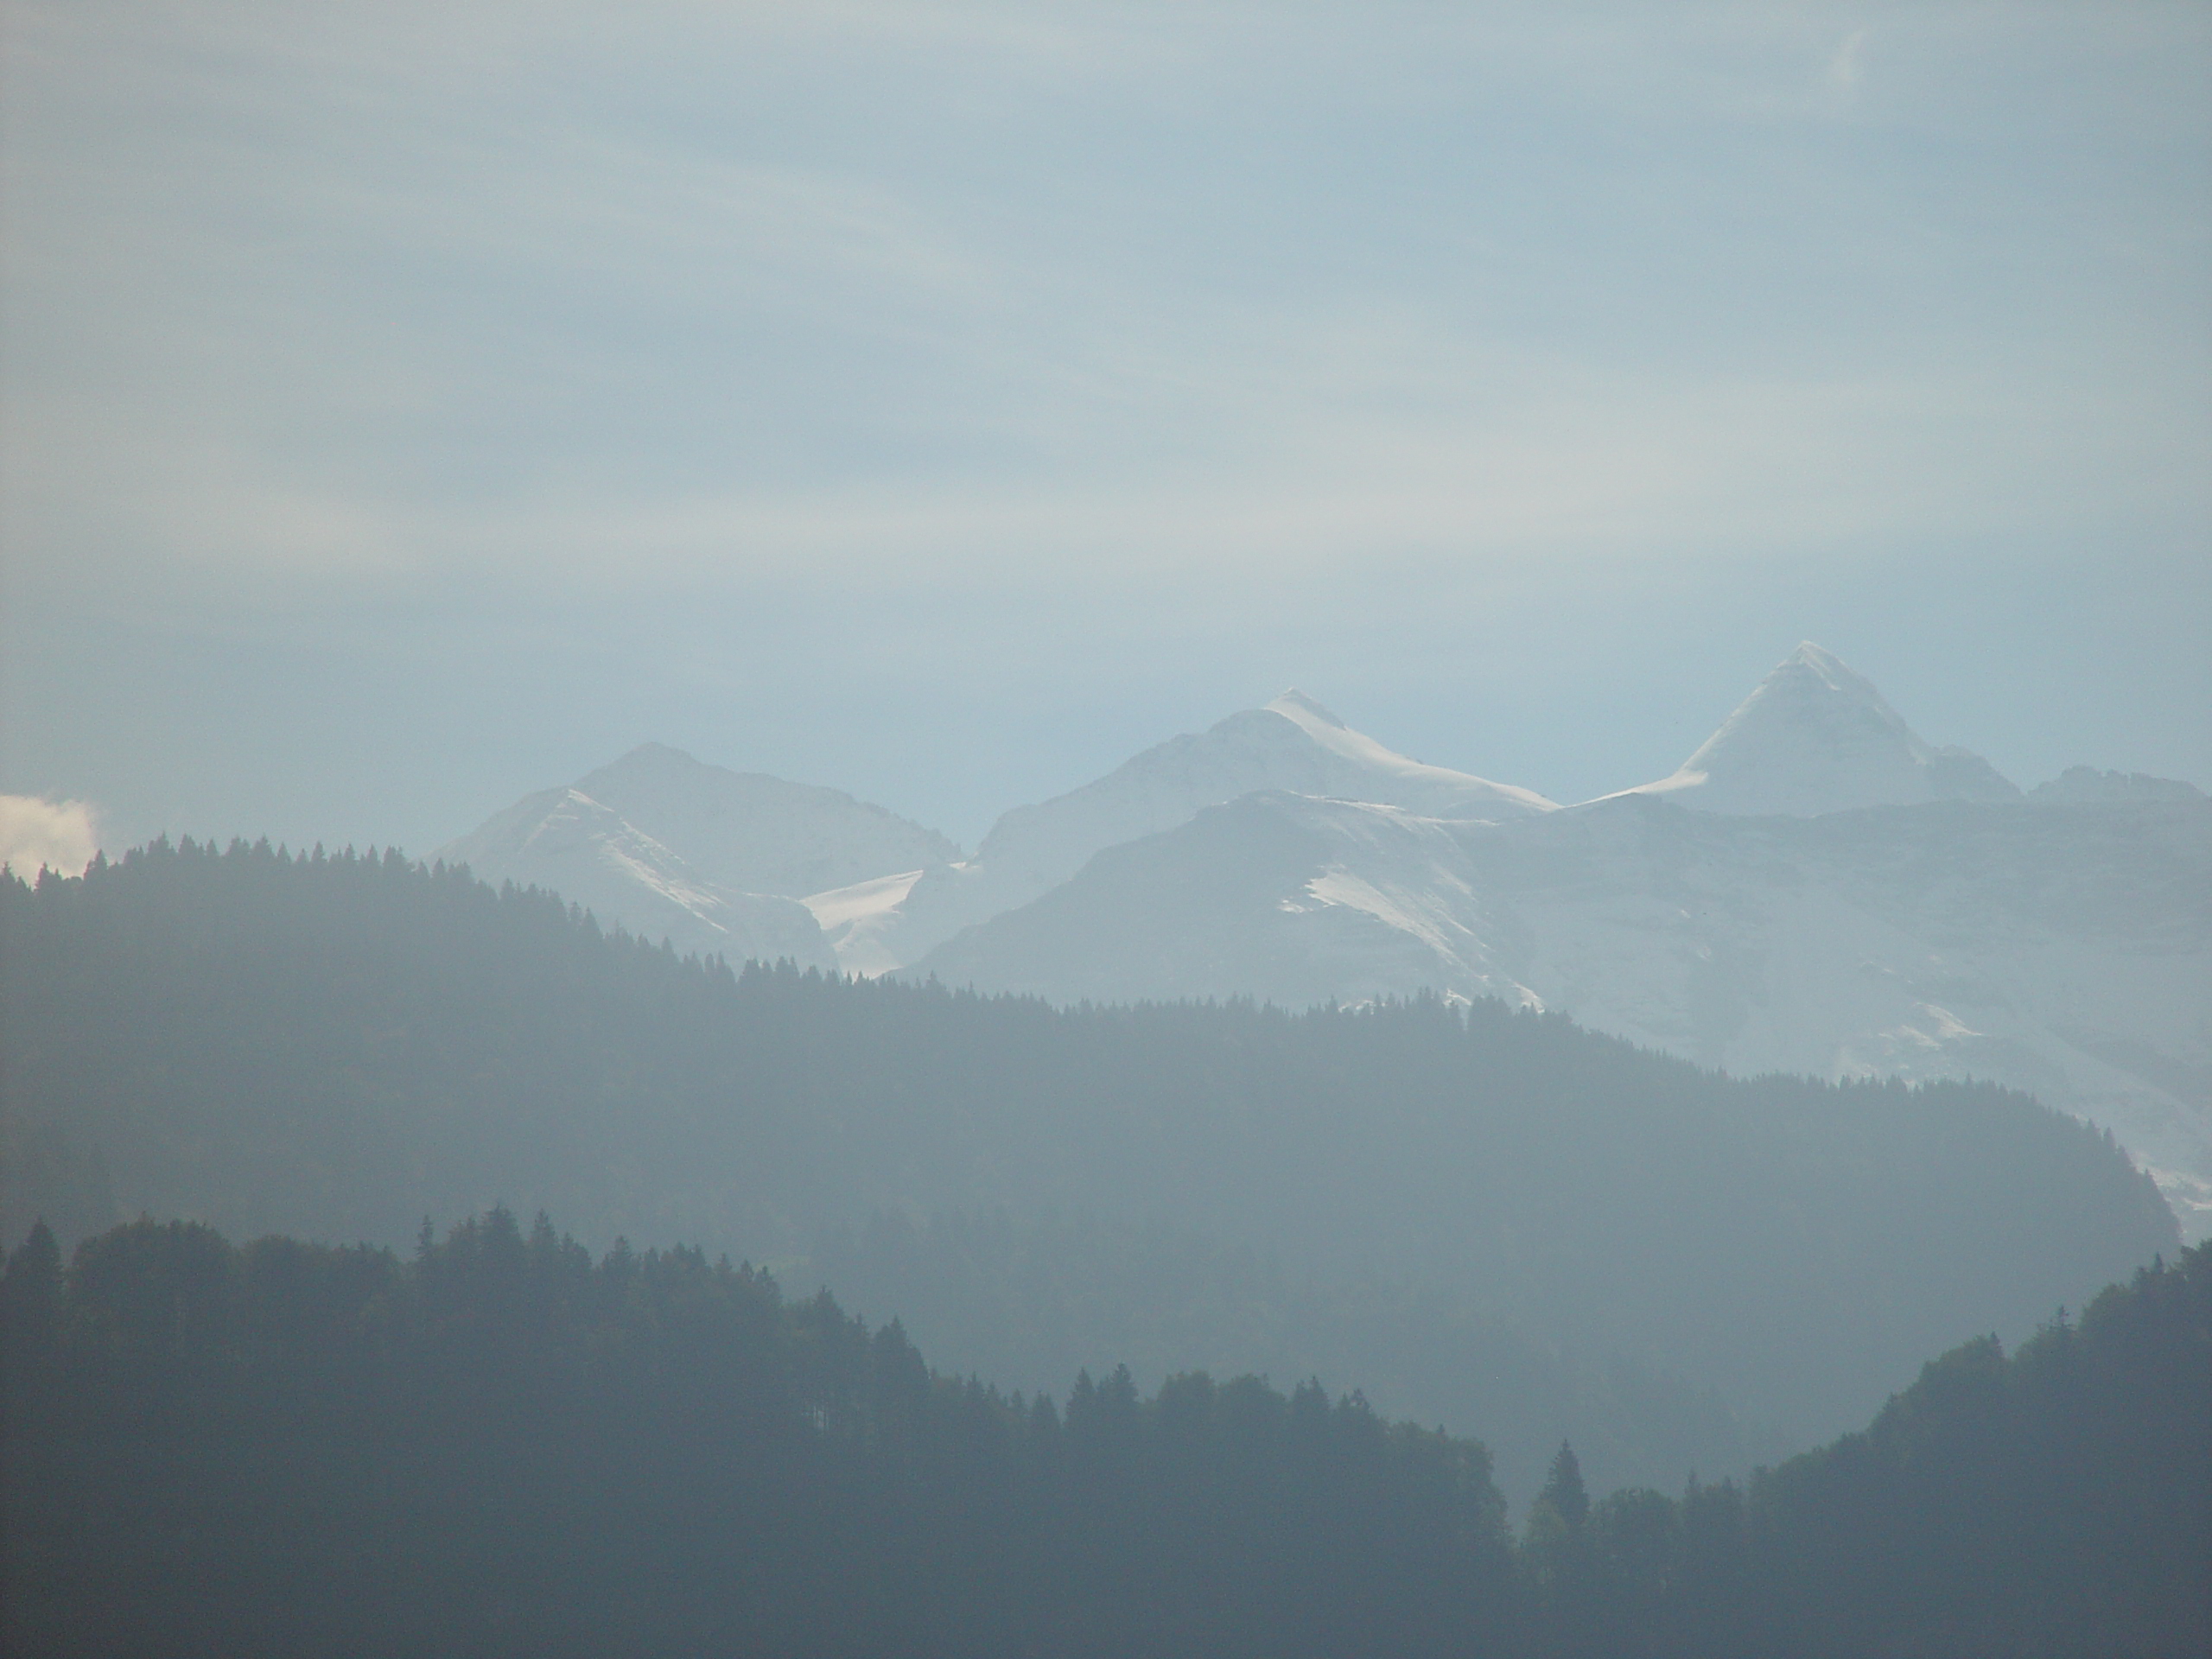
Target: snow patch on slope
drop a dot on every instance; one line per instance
(852, 920)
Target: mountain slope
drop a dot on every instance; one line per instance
(568, 841)
(501, 1446)
(1814, 737)
(748, 830)
(341, 1047)
(2063, 950)
(2056, 1501)
(709, 859)
(1286, 897)
(1293, 743)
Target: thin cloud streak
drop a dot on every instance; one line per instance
(1598, 474)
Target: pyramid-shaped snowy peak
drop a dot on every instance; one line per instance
(1815, 737)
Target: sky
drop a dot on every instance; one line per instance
(404, 407)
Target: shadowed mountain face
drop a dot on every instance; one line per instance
(1294, 744)
(758, 833)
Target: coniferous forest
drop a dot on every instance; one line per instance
(499, 1444)
(1488, 1218)
(1614, 1271)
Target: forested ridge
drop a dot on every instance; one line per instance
(499, 1445)
(1031, 1301)
(1541, 1230)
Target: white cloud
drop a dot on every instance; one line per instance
(38, 833)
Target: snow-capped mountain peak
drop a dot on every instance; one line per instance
(1810, 694)
(2058, 942)
(1292, 744)
(578, 846)
(1836, 675)
(757, 833)
(1815, 737)
(1383, 774)
(1294, 705)
(672, 848)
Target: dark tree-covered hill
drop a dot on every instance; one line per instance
(1030, 1301)
(501, 1446)
(336, 1047)
(2057, 1502)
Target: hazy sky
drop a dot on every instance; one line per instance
(408, 406)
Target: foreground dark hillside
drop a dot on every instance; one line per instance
(2059, 1501)
(501, 1446)
(2056, 1502)
(337, 1047)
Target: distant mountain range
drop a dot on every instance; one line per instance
(712, 860)
(1815, 889)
